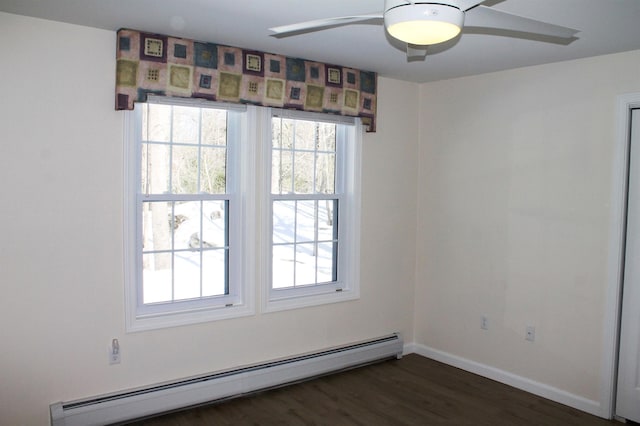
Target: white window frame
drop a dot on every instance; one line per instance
(241, 176)
(348, 172)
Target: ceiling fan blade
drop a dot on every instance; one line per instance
(416, 52)
(468, 4)
(319, 24)
(483, 16)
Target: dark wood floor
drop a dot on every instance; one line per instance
(411, 391)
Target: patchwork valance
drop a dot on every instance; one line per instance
(169, 66)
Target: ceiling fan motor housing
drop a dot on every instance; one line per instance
(423, 23)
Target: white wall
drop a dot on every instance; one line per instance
(61, 236)
(513, 217)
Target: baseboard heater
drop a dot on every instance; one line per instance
(148, 401)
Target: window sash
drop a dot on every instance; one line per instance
(231, 295)
(316, 241)
(339, 260)
(175, 312)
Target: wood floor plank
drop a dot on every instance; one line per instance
(411, 391)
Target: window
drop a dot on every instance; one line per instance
(186, 215)
(210, 186)
(314, 206)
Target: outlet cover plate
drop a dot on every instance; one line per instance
(530, 333)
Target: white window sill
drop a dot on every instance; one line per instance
(277, 305)
(165, 320)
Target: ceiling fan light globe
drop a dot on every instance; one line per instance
(424, 24)
(424, 32)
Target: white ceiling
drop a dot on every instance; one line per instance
(606, 26)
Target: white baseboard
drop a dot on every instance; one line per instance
(519, 382)
(408, 348)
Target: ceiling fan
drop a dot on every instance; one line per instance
(423, 23)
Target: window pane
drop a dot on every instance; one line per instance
(327, 137)
(304, 168)
(156, 123)
(155, 168)
(214, 127)
(281, 182)
(276, 174)
(305, 135)
(325, 173)
(186, 124)
(284, 137)
(282, 156)
(156, 224)
(305, 221)
(214, 224)
(305, 264)
(284, 221)
(186, 280)
(276, 132)
(186, 236)
(213, 273)
(184, 170)
(156, 278)
(326, 218)
(283, 173)
(283, 266)
(213, 170)
(326, 265)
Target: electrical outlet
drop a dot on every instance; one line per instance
(484, 322)
(530, 333)
(114, 352)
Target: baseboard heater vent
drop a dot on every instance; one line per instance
(143, 402)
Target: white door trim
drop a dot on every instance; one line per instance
(618, 208)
